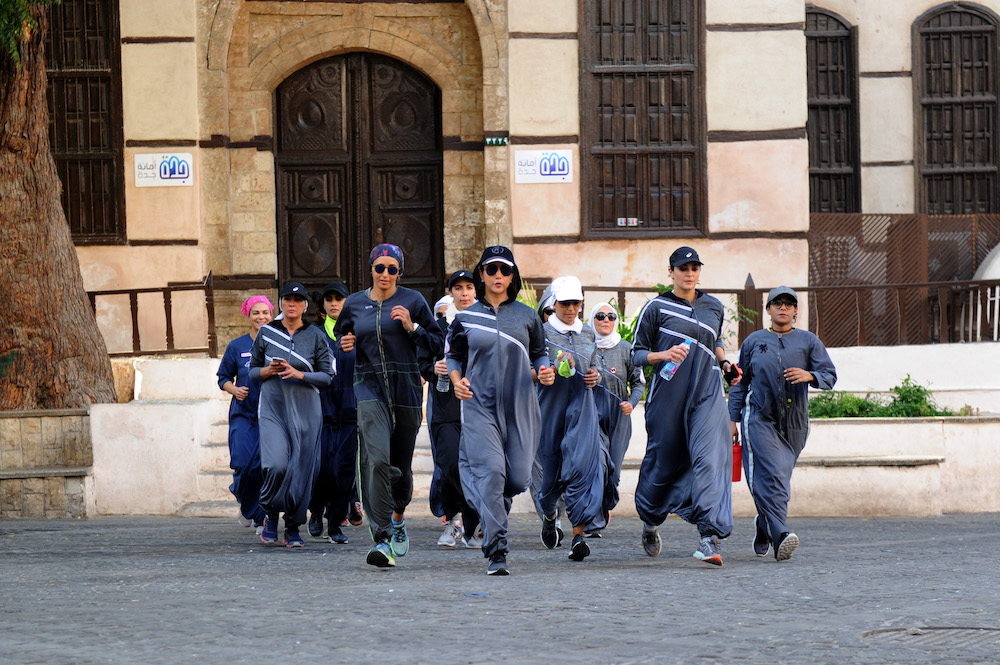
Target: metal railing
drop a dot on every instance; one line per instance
(167, 292)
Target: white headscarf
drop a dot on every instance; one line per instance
(605, 341)
(449, 315)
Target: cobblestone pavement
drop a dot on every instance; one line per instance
(186, 590)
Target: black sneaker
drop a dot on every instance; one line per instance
(761, 543)
(498, 564)
(581, 550)
(355, 516)
(550, 535)
(786, 545)
(316, 525)
(336, 535)
(651, 542)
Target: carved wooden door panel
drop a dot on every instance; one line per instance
(358, 163)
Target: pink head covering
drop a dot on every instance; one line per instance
(253, 300)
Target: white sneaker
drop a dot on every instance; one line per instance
(475, 542)
(452, 532)
(244, 521)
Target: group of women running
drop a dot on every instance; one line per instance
(517, 398)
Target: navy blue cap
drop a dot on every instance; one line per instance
(459, 275)
(684, 255)
(337, 287)
(293, 289)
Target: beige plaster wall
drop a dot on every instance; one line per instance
(758, 186)
(162, 213)
(887, 189)
(545, 209)
(544, 87)
(886, 115)
(162, 84)
(157, 18)
(754, 11)
(756, 80)
(547, 16)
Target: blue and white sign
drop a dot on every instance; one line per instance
(543, 166)
(164, 170)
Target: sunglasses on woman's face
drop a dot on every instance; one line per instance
(381, 268)
(549, 311)
(505, 270)
(439, 315)
(610, 316)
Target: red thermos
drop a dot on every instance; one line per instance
(737, 462)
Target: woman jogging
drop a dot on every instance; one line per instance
(617, 394)
(493, 346)
(291, 358)
(385, 324)
(244, 437)
(570, 446)
(688, 464)
(772, 403)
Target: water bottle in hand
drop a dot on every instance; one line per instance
(443, 384)
(670, 367)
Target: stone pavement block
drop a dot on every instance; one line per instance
(179, 590)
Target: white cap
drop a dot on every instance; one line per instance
(567, 288)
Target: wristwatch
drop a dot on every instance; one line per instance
(416, 327)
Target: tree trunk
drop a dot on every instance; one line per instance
(52, 354)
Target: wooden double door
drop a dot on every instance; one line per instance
(359, 162)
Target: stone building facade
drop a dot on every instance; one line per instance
(682, 123)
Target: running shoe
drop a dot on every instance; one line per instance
(269, 534)
(474, 542)
(786, 545)
(580, 550)
(550, 537)
(761, 543)
(316, 525)
(651, 543)
(452, 533)
(380, 556)
(708, 551)
(293, 539)
(593, 533)
(244, 521)
(498, 564)
(399, 542)
(337, 536)
(356, 516)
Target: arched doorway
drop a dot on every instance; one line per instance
(358, 161)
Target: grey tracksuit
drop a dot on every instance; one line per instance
(687, 469)
(496, 350)
(621, 381)
(774, 414)
(570, 445)
(290, 416)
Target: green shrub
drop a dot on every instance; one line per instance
(909, 400)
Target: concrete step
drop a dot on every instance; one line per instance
(210, 509)
(214, 458)
(213, 486)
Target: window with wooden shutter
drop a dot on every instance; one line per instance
(83, 61)
(642, 117)
(834, 182)
(955, 77)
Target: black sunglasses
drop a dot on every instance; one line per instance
(439, 315)
(505, 270)
(600, 316)
(548, 311)
(381, 268)
(784, 303)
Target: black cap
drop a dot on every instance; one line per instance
(497, 253)
(684, 255)
(337, 287)
(293, 289)
(459, 275)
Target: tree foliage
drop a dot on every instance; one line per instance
(16, 25)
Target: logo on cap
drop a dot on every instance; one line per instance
(688, 255)
(295, 288)
(498, 250)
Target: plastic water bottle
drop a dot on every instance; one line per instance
(443, 384)
(670, 367)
